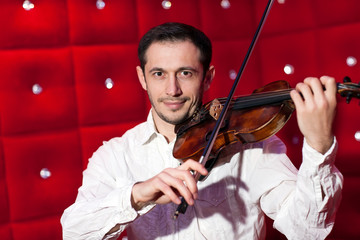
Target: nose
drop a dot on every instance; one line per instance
(173, 87)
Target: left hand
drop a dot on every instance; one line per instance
(316, 110)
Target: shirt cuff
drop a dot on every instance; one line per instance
(127, 203)
(125, 213)
(313, 160)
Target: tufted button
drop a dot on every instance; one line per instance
(36, 89)
(232, 74)
(225, 4)
(351, 61)
(109, 83)
(100, 4)
(27, 5)
(295, 140)
(166, 4)
(289, 69)
(357, 136)
(45, 173)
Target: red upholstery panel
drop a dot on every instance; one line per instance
(5, 232)
(287, 16)
(30, 195)
(346, 125)
(4, 207)
(348, 218)
(93, 137)
(98, 104)
(44, 26)
(233, 53)
(53, 108)
(43, 229)
(152, 13)
(296, 49)
(336, 44)
(116, 22)
(222, 23)
(335, 12)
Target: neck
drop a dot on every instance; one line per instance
(164, 128)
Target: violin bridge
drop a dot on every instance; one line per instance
(215, 109)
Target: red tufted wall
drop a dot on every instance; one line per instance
(55, 109)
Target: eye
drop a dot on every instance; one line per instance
(158, 74)
(186, 74)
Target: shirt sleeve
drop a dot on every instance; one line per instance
(307, 205)
(103, 200)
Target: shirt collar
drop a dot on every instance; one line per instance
(150, 130)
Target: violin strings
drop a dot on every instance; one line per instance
(262, 99)
(257, 99)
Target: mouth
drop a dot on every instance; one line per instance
(174, 105)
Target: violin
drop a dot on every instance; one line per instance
(250, 119)
(245, 119)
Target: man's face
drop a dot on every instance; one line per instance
(174, 80)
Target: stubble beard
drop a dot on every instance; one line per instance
(174, 120)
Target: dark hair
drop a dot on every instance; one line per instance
(173, 31)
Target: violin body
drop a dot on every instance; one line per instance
(249, 120)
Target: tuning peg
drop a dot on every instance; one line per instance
(348, 98)
(346, 79)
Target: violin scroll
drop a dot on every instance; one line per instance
(348, 89)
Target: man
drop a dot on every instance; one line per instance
(133, 182)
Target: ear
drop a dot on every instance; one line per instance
(141, 77)
(210, 74)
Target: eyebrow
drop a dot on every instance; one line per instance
(188, 68)
(158, 69)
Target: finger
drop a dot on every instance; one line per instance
(305, 90)
(185, 184)
(154, 190)
(181, 181)
(167, 191)
(316, 87)
(194, 166)
(329, 83)
(297, 99)
(330, 87)
(306, 94)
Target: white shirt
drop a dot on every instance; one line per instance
(248, 181)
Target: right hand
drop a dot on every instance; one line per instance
(168, 186)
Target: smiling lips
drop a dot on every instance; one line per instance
(174, 105)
